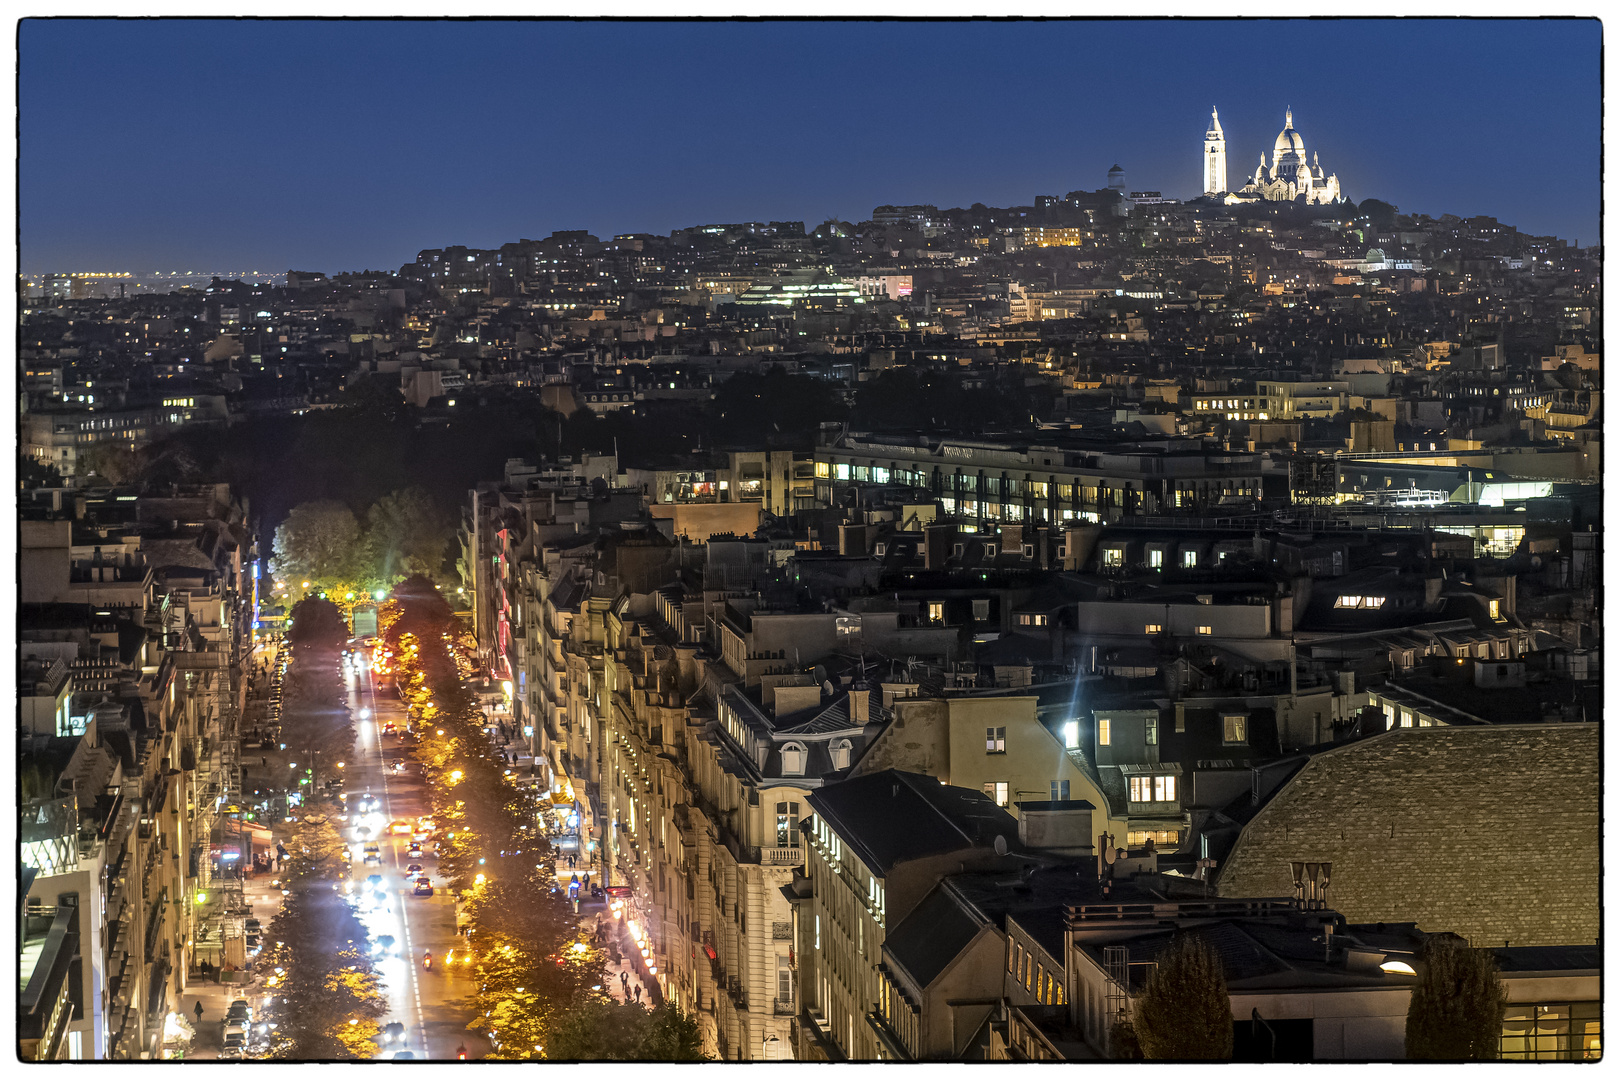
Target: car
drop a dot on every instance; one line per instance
(238, 1030)
(404, 1055)
(400, 826)
(414, 868)
(393, 1033)
(423, 887)
(374, 880)
(390, 728)
(240, 1012)
(373, 855)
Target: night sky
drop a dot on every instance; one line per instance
(176, 145)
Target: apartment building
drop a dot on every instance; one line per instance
(132, 632)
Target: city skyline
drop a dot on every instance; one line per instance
(787, 121)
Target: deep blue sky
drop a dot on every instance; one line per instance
(173, 145)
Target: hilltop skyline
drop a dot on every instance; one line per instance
(351, 144)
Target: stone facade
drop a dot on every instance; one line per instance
(1489, 832)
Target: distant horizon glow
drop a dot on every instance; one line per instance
(383, 138)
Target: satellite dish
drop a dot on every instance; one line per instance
(1001, 844)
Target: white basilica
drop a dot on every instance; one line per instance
(1290, 176)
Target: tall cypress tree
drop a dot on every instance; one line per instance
(1457, 1005)
(1184, 1012)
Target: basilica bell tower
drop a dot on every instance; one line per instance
(1214, 156)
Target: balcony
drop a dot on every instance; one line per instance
(781, 856)
(784, 1007)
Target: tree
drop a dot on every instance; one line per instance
(1184, 1013)
(114, 462)
(408, 534)
(1456, 1008)
(599, 1029)
(1123, 1045)
(671, 1035)
(1378, 213)
(327, 998)
(319, 542)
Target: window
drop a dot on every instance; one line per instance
(1059, 790)
(981, 609)
(1206, 630)
(818, 933)
(1103, 732)
(997, 790)
(838, 750)
(936, 611)
(989, 551)
(784, 979)
(1162, 838)
(1496, 609)
(1372, 603)
(1040, 977)
(1553, 1032)
(1071, 735)
(1012, 957)
(1189, 560)
(1234, 728)
(793, 755)
(1150, 733)
(823, 471)
(1153, 628)
(995, 740)
(1113, 557)
(787, 824)
(1156, 557)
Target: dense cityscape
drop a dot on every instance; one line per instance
(1130, 625)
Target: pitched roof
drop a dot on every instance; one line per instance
(892, 817)
(925, 942)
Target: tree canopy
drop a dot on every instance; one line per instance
(1184, 1012)
(1456, 1009)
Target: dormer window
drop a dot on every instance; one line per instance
(839, 750)
(1496, 609)
(793, 758)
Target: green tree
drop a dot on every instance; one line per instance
(1456, 1009)
(115, 463)
(1123, 1045)
(408, 534)
(326, 998)
(319, 542)
(671, 1035)
(1184, 1012)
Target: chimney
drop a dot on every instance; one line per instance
(860, 707)
(852, 539)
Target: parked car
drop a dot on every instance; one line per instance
(240, 1012)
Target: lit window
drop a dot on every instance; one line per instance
(1113, 557)
(1071, 735)
(1156, 557)
(1103, 732)
(1496, 609)
(997, 790)
(1151, 731)
(995, 740)
(1153, 628)
(1235, 728)
(1206, 630)
(1189, 559)
(936, 611)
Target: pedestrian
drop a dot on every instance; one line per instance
(624, 983)
(198, 1010)
(585, 882)
(638, 993)
(570, 862)
(573, 880)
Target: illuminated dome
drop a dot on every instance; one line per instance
(1288, 141)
